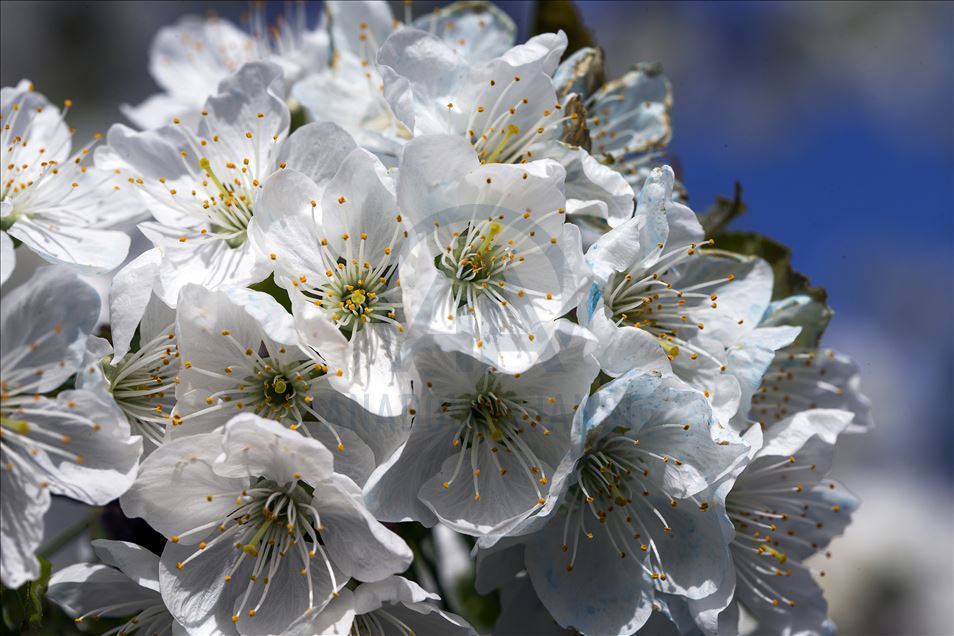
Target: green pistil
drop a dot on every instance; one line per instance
(19, 426)
(251, 548)
(511, 131)
(206, 165)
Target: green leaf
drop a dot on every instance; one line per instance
(270, 287)
(722, 212)
(481, 610)
(809, 314)
(787, 281)
(23, 607)
(553, 15)
(35, 592)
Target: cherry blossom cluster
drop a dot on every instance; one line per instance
(405, 271)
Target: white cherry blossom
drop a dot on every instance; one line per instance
(335, 249)
(75, 444)
(201, 183)
(634, 523)
(392, 606)
(628, 120)
(349, 91)
(190, 58)
(53, 201)
(663, 301)
(125, 584)
(485, 444)
(240, 353)
(491, 255)
(506, 108)
(261, 529)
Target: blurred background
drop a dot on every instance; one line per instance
(837, 119)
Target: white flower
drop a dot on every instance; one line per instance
(335, 248)
(394, 605)
(240, 352)
(350, 91)
(633, 524)
(76, 444)
(201, 183)
(506, 108)
(661, 300)
(126, 584)
(491, 256)
(53, 201)
(783, 508)
(261, 530)
(190, 58)
(628, 119)
(484, 444)
(141, 382)
(805, 376)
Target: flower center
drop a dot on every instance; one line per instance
(773, 517)
(272, 525)
(230, 209)
(269, 383)
(143, 384)
(355, 295)
(613, 488)
(644, 297)
(474, 261)
(495, 416)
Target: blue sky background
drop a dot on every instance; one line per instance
(837, 118)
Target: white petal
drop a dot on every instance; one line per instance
(86, 250)
(420, 73)
(249, 101)
(288, 225)
(360, 201)
(355, 24)
(87, 587)
(394, 589)
(134, 561)
(175, 483)
(376, 377)
(600, 596)
(317, 150)
(478, 31)
(625, 348)
(37, 313)
(8, 257)
(593, 189)
(787, 437)
(99, 459)
(383, 435)
(159, 109)
(264, 448)
(355, 541)
(203, 260)
(426, 165)
(187, 70)
(128, 297)
(22, 507)
(544, 50)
